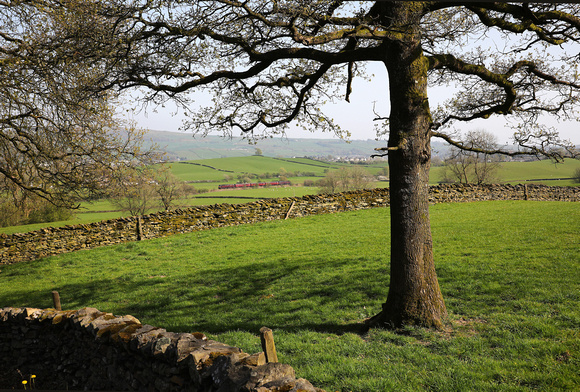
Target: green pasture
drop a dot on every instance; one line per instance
(509, 272)
(535, 172)
(545, 171)
(514, 172)
(216, 170)
(260, 165)
(190, 172)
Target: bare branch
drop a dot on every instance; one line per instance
(551, 147)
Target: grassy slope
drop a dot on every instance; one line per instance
(509, 172)
(184, 145)
(198, 170)
(509, 272)
(520, 172)
(515, 171)
(261, 164)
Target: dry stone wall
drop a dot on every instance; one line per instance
(91, 350)
(51, 241)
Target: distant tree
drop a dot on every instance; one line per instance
(258, 152)
(134, 190)
(345, 179)
(576, 175)
(329, 184)
(384, 171)
(168, 187)
(475, 165)
(456, 169)
(436, 161)
(283, 174)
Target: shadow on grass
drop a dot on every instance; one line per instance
(323, 296)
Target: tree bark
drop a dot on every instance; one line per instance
(414, 294)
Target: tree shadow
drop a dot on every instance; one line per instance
(293, 296)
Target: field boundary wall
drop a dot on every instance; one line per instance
(33, 245)
(91, 350)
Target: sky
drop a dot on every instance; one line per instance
(357, 116)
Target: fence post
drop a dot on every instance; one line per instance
(139, 228)
(56, 300)
(267, 338)
(526, 192)
(289, 210)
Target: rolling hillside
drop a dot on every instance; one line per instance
(184, 146)
(215, 170)
(220, 168)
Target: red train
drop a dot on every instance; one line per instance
(253, 184)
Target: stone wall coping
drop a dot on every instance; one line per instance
(208, 365)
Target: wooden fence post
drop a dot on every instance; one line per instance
(56, 300)
(267, 338)
(139, 228)
(289, 210)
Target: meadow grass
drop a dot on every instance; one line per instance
(260, 165)
(522, 172)
(546, 169)
(509, 272)
(509, 172)
(188, 172)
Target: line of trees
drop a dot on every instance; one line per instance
(345, 179)
(141, 189)
(18, 207)
(465, 166)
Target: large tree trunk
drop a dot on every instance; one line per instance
(414, 294)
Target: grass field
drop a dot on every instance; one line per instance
(509, 271)
(544, 172)
(538, 172)
(202, 169)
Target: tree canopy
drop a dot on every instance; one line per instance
(270, 63)
(58, 139)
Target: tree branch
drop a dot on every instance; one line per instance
(566, 150)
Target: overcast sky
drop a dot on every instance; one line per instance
(357, 116)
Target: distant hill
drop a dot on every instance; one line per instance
(184, 146)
